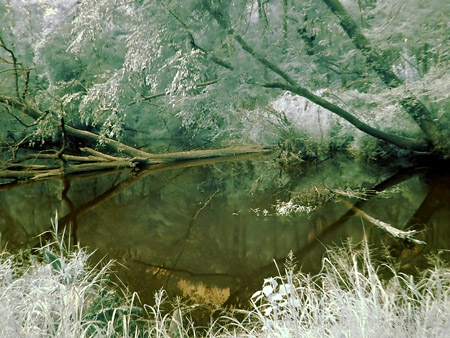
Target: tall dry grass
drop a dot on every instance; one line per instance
(53, 292)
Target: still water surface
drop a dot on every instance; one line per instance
(211, 232)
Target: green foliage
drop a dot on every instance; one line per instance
(118, 65)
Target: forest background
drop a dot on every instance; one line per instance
(134, 78)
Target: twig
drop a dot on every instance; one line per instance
(154, 96)
(16, 73)
(214, 58)
(101, 155)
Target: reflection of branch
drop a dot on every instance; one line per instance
(399, 177)
(269, 270)
(72, 212)
(109, 167)
(188, 231)
(208, 200)
(405, 235)
(13, 232)
(193, 218)
(432, 203)
(162, 267)
(142, 174)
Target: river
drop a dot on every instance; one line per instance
(211, 232)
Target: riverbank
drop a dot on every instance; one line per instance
(52, 291)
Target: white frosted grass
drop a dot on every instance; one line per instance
(289, 207)
(307, 117)
(58, 295)
(348, 299)
(50, 298)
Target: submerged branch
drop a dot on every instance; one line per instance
(406, 235)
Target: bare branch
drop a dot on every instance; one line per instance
(8, 109)
(406, 235)
(26, 84)
(154, 96)
(285, 26)
(194, 44)
(100, 155)
(15, 64)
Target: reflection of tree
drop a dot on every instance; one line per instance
(181, 242)
(9, 230)
(434, 201)
(134, 177)
(244, 282)
(253, 280)
(68, 201)
(439, 191)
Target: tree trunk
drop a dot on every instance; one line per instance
(400, 141)
(295, 88)
(412, 105)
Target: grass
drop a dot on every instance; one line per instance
(53, 292)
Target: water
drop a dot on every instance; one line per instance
(211, 232)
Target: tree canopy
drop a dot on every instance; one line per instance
(237, 71)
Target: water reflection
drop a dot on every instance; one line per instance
(210, 231)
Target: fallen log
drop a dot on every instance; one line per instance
(60, 164)
(97, 162)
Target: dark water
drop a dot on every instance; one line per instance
(211, 232)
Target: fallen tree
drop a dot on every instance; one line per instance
(70, 165)
(58, 163)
